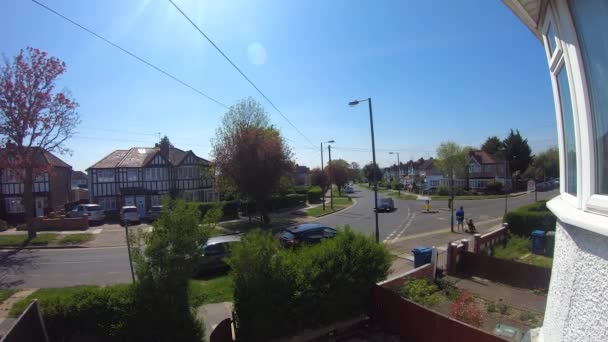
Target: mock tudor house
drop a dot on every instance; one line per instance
(574, 34)
(140, 176)
(485, 167)
(51, 188)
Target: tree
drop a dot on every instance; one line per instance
(354, 172)
(543, 166)
(492, 145)
(319, 178)
(250, 153)
(451, 159)
(372, 173)
(519, 154)
(338, 173)
(34, 117)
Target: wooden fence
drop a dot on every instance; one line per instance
(503, 271)
(412, 322)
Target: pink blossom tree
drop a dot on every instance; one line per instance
(34, 117)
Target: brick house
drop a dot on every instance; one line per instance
(484, 167)
(51, 187)
(141, 176)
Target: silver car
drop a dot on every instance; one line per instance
(92, 212)
(129, 214)
(215, 252)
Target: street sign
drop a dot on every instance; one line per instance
(531, 185)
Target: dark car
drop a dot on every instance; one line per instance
(386, 204)
(215, 252)
(307, 233)
(154, 212)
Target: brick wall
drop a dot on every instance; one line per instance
(43, 224)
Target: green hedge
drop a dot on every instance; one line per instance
(279, 292)
(523, 220)
(301, 189)
(276, 203)
(314, 194)
(229, 208)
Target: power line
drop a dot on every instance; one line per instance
(130, 54)
(240, 71)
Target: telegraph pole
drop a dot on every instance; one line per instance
(331, 188)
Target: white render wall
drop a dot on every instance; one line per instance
(578, 294)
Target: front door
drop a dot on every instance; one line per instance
(39, 206)
(141, 205)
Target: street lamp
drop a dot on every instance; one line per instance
(327, 142)
(504, 150)
(398, 173)
(371, 125)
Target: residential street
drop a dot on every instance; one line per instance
(76, 266)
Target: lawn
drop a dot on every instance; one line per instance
(339, 203)
(14, 240)
(403, 196)
(5, 293)
(75, 239)
(215, 290)
(518, 249)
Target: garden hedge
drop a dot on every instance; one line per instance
(229, 208)
(279, 292)
(314, 194)
(301, 189)
(523, 220)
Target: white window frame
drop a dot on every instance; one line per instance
(562, 57)
(130, 173)
(106, 176)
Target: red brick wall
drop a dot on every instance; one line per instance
(80, 223)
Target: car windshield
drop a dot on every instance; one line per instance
(93, 208)
(385, 201)
(129, 210)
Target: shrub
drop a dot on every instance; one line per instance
(443, 191)
(421, 291)
(523, 220)
(491, 307)
(526, 316)
(3, 225)
(466, 310)
(503, 308)
(314, 194)
(448, 288)
(230, 209)
(306, 287)
(287, 201)
(301, 189)
(493, 187)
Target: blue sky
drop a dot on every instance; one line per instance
(436, 71)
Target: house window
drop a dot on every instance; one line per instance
(105, 176)
(592, 31)
(156, 173)
(107, 203)
(132, 175)
(155, 200)
(10, 176)
(551, 39)
(568, 129)
(14, 205)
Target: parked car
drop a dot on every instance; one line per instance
(154, 213)
(215, 252)
(349, 189)
(129, 214)
(306, 233)
(385, 204)
(92, 212)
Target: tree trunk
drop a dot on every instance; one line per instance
(28, 201)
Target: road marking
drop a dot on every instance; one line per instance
(406, 226)
(404, 223)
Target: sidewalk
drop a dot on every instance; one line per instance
(402, 248)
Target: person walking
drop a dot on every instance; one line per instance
(460, 219)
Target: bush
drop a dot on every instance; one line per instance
(491, 307)
(279, 292)
(443, 191)
(288, 201)
(230, 209)
(525, 219)
(421, 291)
(314, 194)
(3, 225)
(493, 188)
(448, 288)
(301, 189)
(466, 310)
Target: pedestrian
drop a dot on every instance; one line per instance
(460, 219)
(427, 206)
(471, 229)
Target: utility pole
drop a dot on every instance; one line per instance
(129, 249)
(331, 188)
(322, 190)
(452, 200)
(398, 172)
(505, 185)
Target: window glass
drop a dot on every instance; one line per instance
(132, 175)
(568, 127)
(13, 205)
(551, 40)
(590, 19)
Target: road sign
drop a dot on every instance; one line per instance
(531, 185)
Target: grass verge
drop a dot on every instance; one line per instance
(5, 294)
(213, 290)
(518, 249)
(339, 203)
(42, 239)
(75, 239)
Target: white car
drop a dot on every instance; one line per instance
(129, 214)
(92, 212)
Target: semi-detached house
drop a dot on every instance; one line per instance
(140, 176)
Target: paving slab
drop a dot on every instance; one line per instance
(213, 314)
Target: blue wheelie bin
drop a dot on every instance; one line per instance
(538, 242)
(422, 256)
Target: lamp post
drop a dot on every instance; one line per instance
(371, 125)
(505, 181)
(126, 224)
(327, 142)
(398, 172)
(331, 187)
